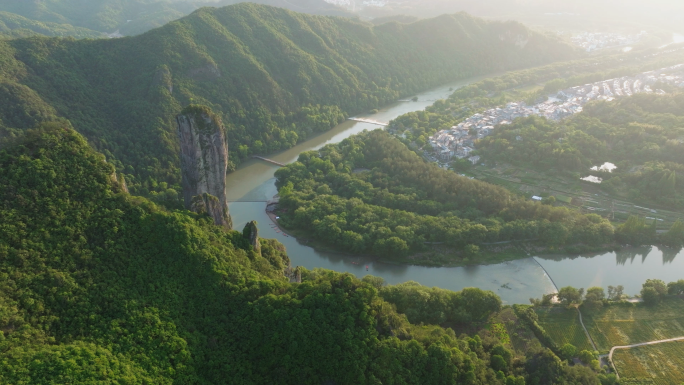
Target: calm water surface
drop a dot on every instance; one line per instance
(628, 267)
(522, 279)
(515, 282)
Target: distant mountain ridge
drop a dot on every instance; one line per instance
(15, 26)
(132, 17)
(274, 76)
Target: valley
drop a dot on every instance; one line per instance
(246, 194)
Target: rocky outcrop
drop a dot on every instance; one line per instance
(122, 183)
(162, 77)
(206, 72)
(294, 275)
(251, 234)
(204, 160)
(210, 205)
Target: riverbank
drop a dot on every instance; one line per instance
(438, 255)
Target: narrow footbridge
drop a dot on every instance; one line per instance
(371, 121)
(269, 160)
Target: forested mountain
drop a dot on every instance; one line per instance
(14, 26)
(99, 15)
(274, 76)
(663, 16)
(98, 286)
(132, 17)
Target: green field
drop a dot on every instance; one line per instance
(625, 325)
(520, 337)
(587, 195)
(651, 364)
(563, 326)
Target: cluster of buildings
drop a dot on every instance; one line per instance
(458, 141)
(591, 41)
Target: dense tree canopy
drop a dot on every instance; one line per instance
(100, 286)
(371, 194)
(276, 77)
(15, 26)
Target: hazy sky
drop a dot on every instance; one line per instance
(552, 14)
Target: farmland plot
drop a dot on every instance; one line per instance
(563, 326)
(661, 364)
(620, 325)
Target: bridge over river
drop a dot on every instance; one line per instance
(269, 160)
(370, 121)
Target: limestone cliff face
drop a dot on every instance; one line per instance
(210, 205)
(295, 275)
(122, 183)
(162, 77)
(251, 233)
(204, 158)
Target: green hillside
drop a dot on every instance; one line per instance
(275, 76)
(132, 17)
(98, 15)
(98, 286)
(641, 135)
(14, 26)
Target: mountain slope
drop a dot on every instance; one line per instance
(13, 26)
(132, 17)
(98, 15)
(97, 286)
(275, 76)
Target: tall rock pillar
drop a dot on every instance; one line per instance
(251, 234)
(204, 162)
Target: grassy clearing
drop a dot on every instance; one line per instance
(563, 326)
(661, 364)
(520, 336)
(620, 325)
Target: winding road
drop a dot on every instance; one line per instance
(610, 355)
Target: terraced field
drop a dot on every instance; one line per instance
(625, 325)
(661, 364)
(563, 326)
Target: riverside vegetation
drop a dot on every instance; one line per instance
(101, 286)
(275, 77)
(371, 194)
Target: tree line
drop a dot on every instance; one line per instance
(653, 291)
(371, 194)
(286, 77)
(97, 285)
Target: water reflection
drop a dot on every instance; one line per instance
(629, 254)
(629, 267)
(514, 282)
(669, 255)
(253, 180)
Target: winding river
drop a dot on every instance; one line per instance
(253, 183)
